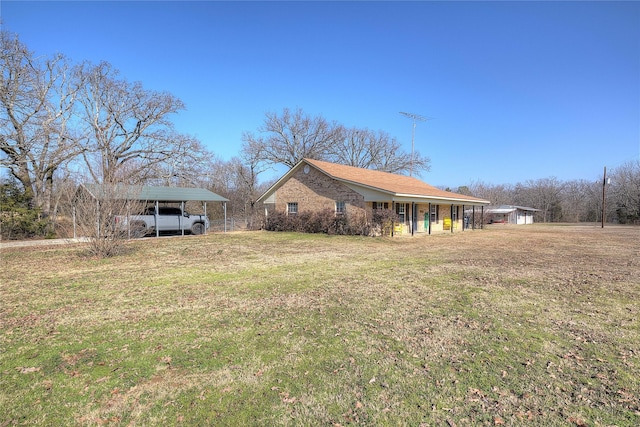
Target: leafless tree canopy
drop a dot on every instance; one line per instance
(56, 117)
(290, 137)
(36, 108)
(126, 123)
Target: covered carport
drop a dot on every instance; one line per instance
(155, 195)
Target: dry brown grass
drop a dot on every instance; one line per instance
(506, 326)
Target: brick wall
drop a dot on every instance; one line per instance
(314, 191)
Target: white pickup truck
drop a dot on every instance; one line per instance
(168, 219)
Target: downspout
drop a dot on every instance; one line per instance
(393, 223)
(429, 218)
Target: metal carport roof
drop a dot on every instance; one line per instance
(152, 194)
(147, 193)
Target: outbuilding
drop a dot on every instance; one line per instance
(146, 195)
(508, 214)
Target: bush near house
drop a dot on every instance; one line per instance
(326, 221)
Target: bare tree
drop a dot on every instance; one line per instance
(625, 189)
(291, 137)
(501, 194)
(184, 170)
(128, 125)
(96, 214)
(366, 149)
(577, 200)
(543, 194)
(36, 107)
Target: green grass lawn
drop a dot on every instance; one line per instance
(512, 326)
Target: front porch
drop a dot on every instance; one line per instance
(431, 218)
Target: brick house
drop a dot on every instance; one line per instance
(314, 185)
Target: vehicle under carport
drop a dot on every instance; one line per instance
(150, 195)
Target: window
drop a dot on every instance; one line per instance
(292, 208)
(341, 208)
(434, 213)
(401, 212)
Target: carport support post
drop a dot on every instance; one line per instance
(155, 218)
(224, 206)
(204, 204)
(98, 218)
(181, 220)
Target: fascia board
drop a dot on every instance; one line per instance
(432, 199)
(370, 194)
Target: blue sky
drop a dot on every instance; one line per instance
(515, 90)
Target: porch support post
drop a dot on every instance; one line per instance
(393, 224)
(482, 218)
(463, 217)
(451, 216)
(413, 217)
(224, 206)
(473, 217)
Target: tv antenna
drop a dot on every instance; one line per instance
(415, 118)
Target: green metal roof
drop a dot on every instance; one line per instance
(146, 193)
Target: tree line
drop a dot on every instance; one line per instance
(574, 200)
(63, 123)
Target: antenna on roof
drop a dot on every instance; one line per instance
(414, 117)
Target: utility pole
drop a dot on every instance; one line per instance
(414, 117)
(604, 185)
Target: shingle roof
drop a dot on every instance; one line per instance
(392, 184)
